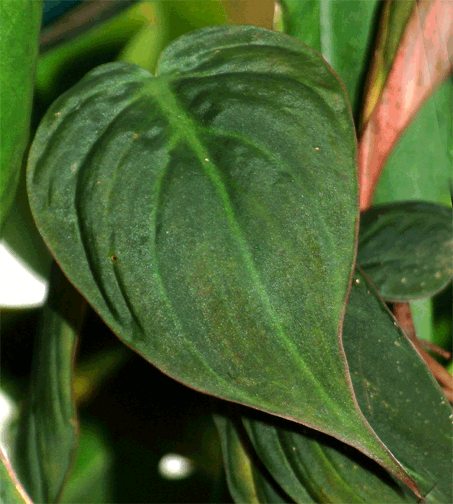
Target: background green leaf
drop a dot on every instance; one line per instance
(248, 480)
(406, 249)
(404, 404)
(238, 465)
(11, 492)
(213, 267)
(46, 434)
(341, 30)
(19, 29)
(313, 467)
(91, 479)
(393, 20)
(420, 165)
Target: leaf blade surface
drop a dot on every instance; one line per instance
(203, 211)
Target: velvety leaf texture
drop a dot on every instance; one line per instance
(406, 249)
(404, 404)
(209, 215)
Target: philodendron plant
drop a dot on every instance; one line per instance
(209, 213)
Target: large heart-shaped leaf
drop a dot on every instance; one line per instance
(209, 215)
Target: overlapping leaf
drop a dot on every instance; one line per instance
(47, 426)
(400, 404)
(248, 479)
(406, 249)
(403, 404)
(312, 467)
(209, 214)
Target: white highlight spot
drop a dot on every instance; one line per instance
(7, 412)
(175, 467)
(20, 287)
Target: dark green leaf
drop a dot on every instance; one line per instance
(204, 211)
(397, 393)
(313, 467)
(47, 426)
(19, 30)
(238, 465)
(248, 480)
(400, 404)
(341, 31)
(406, 249)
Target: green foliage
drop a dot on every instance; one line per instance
(406, 249)
(201, 195)
(46, 433)
(19, 30)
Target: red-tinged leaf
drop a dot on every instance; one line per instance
(422, 61)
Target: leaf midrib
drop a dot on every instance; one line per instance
(185, 130)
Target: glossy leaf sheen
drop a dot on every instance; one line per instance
(204, 211)
(406, 249)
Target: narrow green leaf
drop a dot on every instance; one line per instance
(342, 31)
(92, 476)
(313, 467)
(19, 29)
(266, 491)
(403, 403)
(204, 211)
(406, 249)
(11, 491)
(47, 426)
(146, 44)
(248, 480)
(393, 20)
(238, 465)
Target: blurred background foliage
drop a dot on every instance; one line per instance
(130, 414)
